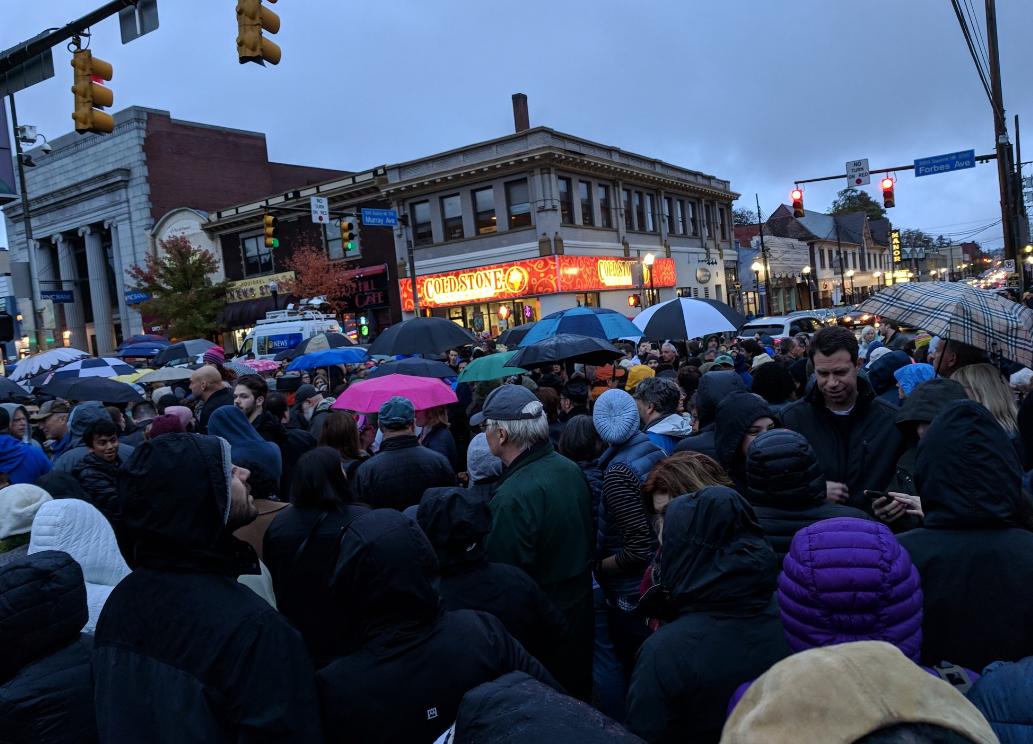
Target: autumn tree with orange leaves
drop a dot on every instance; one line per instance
(315, 275)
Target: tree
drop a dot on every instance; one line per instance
(315, 275)
(742, 216)
(183, 297)
(851, 200)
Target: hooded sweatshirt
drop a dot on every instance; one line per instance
(230, 423)
(973, 555)
(735, 414)
(22, 462)
(416, 661)
(713, 387)
(881, 375)
(482, 466)
(79, 420)
(13, 408)
(922, 405)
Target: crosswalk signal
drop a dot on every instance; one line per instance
(252, 20)
(888, 200)
(634, 300)
(90, 93)
(364, 326)
(797, 197)
(272, 231)
(347, 236)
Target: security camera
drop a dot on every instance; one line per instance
(47, 149)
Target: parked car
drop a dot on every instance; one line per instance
(853, 319)
(780, 326)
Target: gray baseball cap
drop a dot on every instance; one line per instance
(396, 411)
(505, 403)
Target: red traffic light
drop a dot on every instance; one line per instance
(888, 199)
(797, 196)
(634, 300)
(887, 183)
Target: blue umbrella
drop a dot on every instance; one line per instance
(141, 349)
(346, 355)
(596, 322)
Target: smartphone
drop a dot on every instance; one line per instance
(875, 495)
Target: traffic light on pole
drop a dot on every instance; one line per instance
(252, 20)
(272, 231)
(634, 300)
(347, 236)
(797, 197)
(363, 326)
(888, 200)
(89, 93)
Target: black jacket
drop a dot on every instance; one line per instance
(923, 405)
(456, 523)
(183, 651)
(99, 480)
(713, 387)
(416, 661)
(46, 689)
(718, 577)
(399, 473)
(221, 397)
(293, 443)
(440, 440)
(303, 586)
(135, 437)
(974, 558)
(860, 449)
(786, 488)
(735, 414)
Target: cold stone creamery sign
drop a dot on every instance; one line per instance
(536, 276)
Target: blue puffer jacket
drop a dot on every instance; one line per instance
(1005, 697)
(594, 476)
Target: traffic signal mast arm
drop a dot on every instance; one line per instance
(979, 159)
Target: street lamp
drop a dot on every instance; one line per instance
(648, 260)
(756, 267)
(273, 291)
(877, 275)
(806, 270)
(850, 275)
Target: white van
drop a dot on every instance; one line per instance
(282, 330)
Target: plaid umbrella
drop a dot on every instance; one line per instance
(240, 368)
(962, 313)
(103, 367)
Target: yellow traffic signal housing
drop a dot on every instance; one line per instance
(272, 231)
(347, 235)
(89, 94)
(252, 20)
(888, 199)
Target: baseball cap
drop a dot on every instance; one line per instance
(506, 403)
(304, 393)
(51, 407)
(397, 411)
(724, 359)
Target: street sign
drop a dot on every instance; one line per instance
(134, 298)
(945, 163)
(383, 217)
(320, 210)
(857, 172)
(28, 73)
(1009, 265)
(138, 19)
(58, 295)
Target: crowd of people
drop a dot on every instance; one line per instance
(814, 539)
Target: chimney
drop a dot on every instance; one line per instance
(521, 119)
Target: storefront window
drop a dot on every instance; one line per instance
(587, 299)
(484, 210)
(452, 217)
(519, 204)
(423, 233)
(257, 258)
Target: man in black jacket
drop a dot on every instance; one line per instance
(183, 651)
(416, 661)
(46, 689)
(98, 471)
(851, 430)
(713, 386)
(250, 395)
(403, 469)
(206, 385)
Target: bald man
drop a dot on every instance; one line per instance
(206, 385)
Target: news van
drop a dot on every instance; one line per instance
(282, 330)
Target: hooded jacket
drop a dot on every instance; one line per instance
(76, 528)
(46, 691)
(974, 558)
(22, 462)
(416, 661)
(786, 487)
(735, 415)
(457, 522)
(79, 420)
(923, 405)
(99, 481)
(293, 443)
(27, 438)
(230, 423)
(667, 431)
(881, 375)
(399, 473)
(713, 387)
(483, 467)
(1004, 695)
(181, 624)
(718, 577)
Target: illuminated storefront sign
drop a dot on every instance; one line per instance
(258, 286)
(536, 276)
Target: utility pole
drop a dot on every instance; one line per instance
(764, 255)
(30, 245)
(842, 269)
(1004, 152)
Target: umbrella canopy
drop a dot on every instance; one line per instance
(142, 349)
(319, 342)
(329, 356)
(683, 318)
(45, 361)
(11, 390)
(166, 374)
(261, 365)
(512, 337)
(490, 367)
(182, 350)
(414, 367)
(962, 313)
(367, 396)
(421, 336)
(597, 322)
(240, 368)
(103, 367)
(129, 379)
(151, 339)
(92, 388)
(564, 346)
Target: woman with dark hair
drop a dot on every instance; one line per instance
(341, 432)
(435, 434)
(300, 549)
(550, 400)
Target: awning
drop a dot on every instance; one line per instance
(248, 312)
(365, 271)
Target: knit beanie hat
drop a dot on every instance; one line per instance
(160, 393)
(615, 416)
(167, 423)
(18, 506)
(637, 374)
(182, 413)
(922, 339)
(480, 463)
(214, 355)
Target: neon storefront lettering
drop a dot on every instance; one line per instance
(481, 284)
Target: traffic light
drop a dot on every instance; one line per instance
(272, 231)
(634, 300)
(888, 199)
(252, 20)
(797, 197)
(90, 94)
(364, 326)
(347, 236)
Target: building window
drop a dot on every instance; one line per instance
(683, 223)
(604, 207)
(724, 224)
(519, 203)
(708, 218)
(821, 258)
(706, 292)
(423, 232)
(587, 212)
(626, 195)
(640, 215)
(566, 202)
(452, 217)
(694, 218)
(853, 259)
(587, 299)
(651, 215)
(257, 258)
(669, 213)
(484, 210)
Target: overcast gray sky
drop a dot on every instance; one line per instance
(756, 91)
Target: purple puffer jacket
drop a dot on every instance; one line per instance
(849, 580)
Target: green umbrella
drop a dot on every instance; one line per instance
(490, 367)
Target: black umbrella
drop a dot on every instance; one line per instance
(319, 342)
(414, 367)
(103, 389)
(511, 338)
(181, 350)
(11, 390)
(421, 336)
(566, 347)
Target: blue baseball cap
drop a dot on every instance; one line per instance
(397, 411)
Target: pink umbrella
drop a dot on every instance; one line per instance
(367, 396)
(261, 365)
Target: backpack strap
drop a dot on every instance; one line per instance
(954, 675)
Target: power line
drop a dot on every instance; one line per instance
(975, 57)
